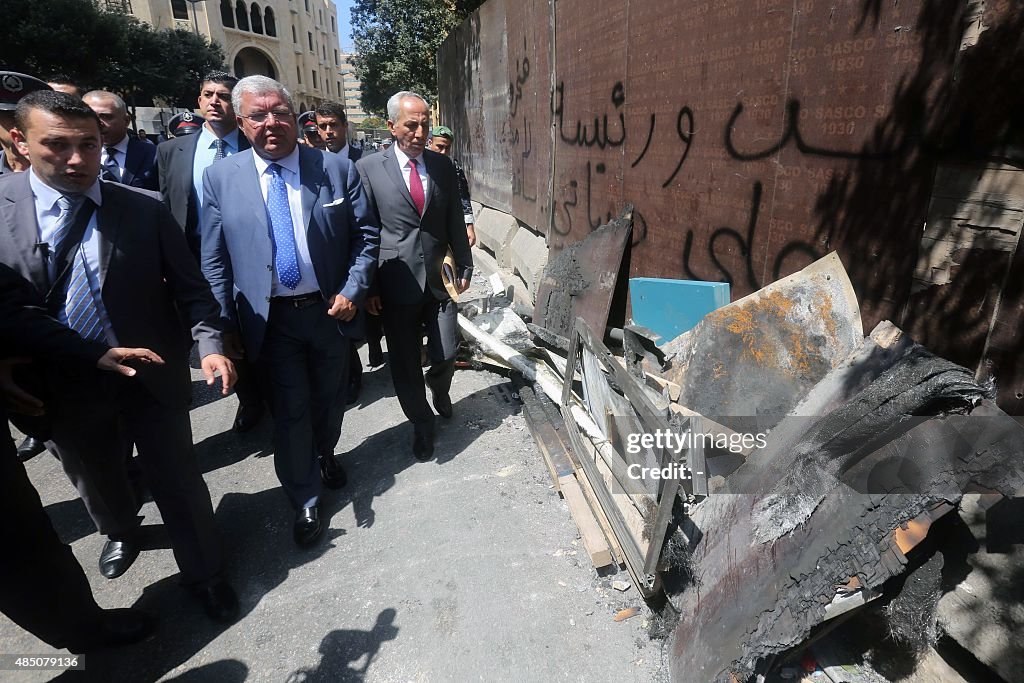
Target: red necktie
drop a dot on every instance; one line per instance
(416, 187)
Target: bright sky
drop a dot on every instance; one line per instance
(344, 19)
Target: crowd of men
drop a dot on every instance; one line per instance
(272, 251)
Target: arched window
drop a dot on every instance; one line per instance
(268, 22)
(242, 16)
(256, 19)
(227, 15)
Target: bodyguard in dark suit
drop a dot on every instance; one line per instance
(332, 122)
(415, 195)
(290, 247)
(181, 163)
(42, 587)
(125, 159)
(114, 267)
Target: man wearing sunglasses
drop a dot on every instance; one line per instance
(290, 248)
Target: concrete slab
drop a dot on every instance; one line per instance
(495, 230)
(529, 256)
(467, 567)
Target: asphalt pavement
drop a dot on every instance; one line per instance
(464, 568)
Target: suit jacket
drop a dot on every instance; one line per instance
(237, 249)
(354, 154)
(147, 275)
(27, 329)
(174, 168)
(412, 248)
(140, 165)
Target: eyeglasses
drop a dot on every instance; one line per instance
(260, 118)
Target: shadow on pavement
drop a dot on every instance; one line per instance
(341, 650)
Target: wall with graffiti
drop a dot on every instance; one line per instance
(754, 136)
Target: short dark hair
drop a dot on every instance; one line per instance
(52, 102)
(63, 79)
(334, 109)
(220, 78)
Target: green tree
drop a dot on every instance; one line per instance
(101, 49)
(396, 43)
(373, 122)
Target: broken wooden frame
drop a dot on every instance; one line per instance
(638, 517)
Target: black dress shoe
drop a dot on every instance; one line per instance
(247, 417)
(30, 448)
(423, 445)
(117, 556)
(332, 473)
(376, 354)
(442, 404)
(308, 528)
(116, 627)
(219, 601)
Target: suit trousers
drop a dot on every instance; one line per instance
(42, 587)
(304, 362)
(404, 326)
(93, 422)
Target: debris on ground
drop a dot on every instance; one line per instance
(862, 451)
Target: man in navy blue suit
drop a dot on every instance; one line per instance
(124, 159)
(332, 122)
(290, 247)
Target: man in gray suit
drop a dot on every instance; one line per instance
(290, 249)
(181, 163)
(415, 195)
(113, 266)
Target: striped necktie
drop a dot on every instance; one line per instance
(79, 312)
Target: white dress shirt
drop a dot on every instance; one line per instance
(406, 167)
(290, 173)
(47, 213)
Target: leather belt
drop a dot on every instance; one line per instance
(299, 300)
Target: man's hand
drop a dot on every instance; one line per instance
(373, 306)
(216, 363)
(16, 399)
(113, 360)
(341, 308)
(462, 285)
(471, 234)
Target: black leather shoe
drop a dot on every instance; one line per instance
(116, 557)
(332, 473)
(247, 417)
(376, 354)
(308, 528)
(423, 445)
(442, 404)
(219, 601)
(30, 448)
(116, 627)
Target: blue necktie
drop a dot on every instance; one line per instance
(80, 312)
(285, 260)
(111, 167)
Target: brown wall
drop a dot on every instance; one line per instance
(753, 136)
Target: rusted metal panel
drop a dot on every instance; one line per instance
(754, 137)
(587, 106)
(580, 282)
(528, 24)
